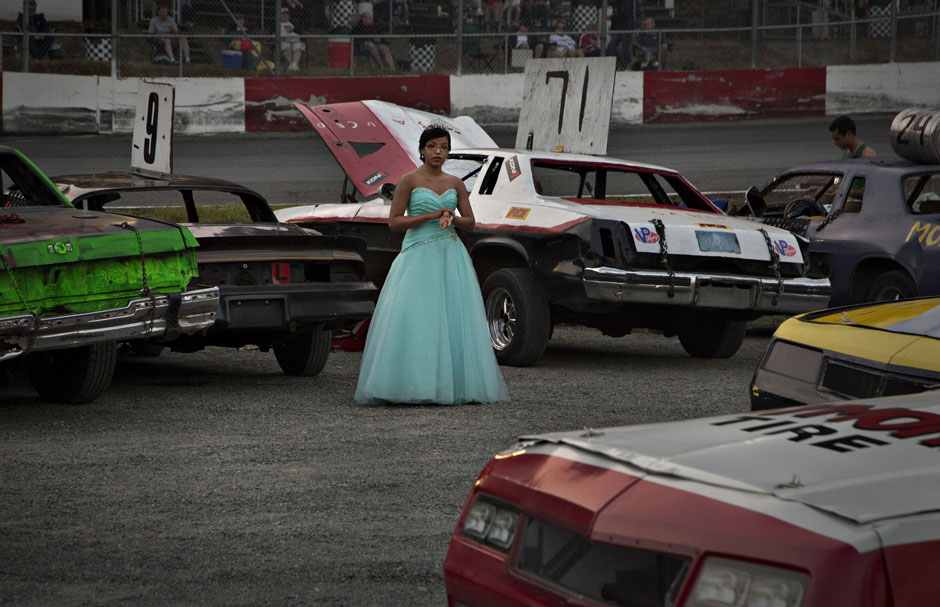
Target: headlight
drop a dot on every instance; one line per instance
(725, 582)
(793, 360)
(491, 523)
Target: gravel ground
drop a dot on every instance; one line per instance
(213, 479)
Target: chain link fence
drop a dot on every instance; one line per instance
(218, 38)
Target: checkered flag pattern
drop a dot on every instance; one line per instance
(880, 27)
(583, 16)
(340, 12)
(423, 57)
(98, 49)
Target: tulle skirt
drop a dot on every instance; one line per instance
(428, 341)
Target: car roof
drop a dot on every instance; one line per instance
(850, 164)
(847, 459)
(76, 186)
(565, 158)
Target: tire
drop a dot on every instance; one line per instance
(75, 376)
(892, 286)
(146, 349)
(304, 355)
(517, 316)
(712, 337)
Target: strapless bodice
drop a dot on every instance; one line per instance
(424, 200)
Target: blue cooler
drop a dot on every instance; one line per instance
(232, 60)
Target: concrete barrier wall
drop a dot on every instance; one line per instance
(52, 103)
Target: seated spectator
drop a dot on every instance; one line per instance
(513, 12)
(39, 46)
(493, 15)
(400, 12)
(536, 12)
(163, 24)
(187, 13)
(590, 44)
(292, 47)
(648, 47)
(371, 44)
(523, 41)
(562, 45)
(243, 39)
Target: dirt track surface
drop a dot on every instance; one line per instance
(213, 479)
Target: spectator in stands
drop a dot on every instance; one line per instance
(493, 15)
(243, 39)
(513, 12)
(39, 46)
(371, 44)
(562, 45)
(523, 41)
(400, 11)
(536, 12)
(589, 44)
(292, 47)
(648, 47)
(843, 135)
(163, 25)
(628, 14)
(187, 13)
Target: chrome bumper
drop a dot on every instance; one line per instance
(708, 290)
(162, 316)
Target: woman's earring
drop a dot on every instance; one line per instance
(421, 156)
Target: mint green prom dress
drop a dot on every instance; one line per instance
(428, 341)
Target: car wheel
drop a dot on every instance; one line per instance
(891, 286)
(147, 349)
(517, 316)
(712, 337)
(304, 355)
(75, 376)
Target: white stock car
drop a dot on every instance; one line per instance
(570, 238)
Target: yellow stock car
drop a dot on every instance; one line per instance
(861, 351)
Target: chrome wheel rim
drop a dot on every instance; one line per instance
(500, 318)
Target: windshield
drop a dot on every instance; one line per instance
(815, 190)
(22, 186)
(612, 183)
(613, 575)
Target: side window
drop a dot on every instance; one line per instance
(855, 196)
(467, 168)
(922, 193)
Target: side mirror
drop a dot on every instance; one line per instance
(387, 191)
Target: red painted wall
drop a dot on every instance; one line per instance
(269, 101)
(687, 96)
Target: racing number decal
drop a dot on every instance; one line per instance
(914, 122)
(150, 125)
(564, 75)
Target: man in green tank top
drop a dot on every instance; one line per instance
(843, 134)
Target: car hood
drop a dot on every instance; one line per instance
(861, 460)
(907, 317)
(377, 142)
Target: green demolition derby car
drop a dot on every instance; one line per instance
(74, 283)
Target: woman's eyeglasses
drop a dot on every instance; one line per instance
(434, 147)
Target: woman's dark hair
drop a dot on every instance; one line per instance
(432, 132)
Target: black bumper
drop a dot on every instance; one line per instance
(293, 306)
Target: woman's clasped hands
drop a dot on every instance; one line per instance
(447, 218)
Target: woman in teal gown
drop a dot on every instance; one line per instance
(428, 341)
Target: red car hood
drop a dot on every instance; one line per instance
(377, 142)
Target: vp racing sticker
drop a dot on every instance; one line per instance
(784, 249)
(645, 235)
